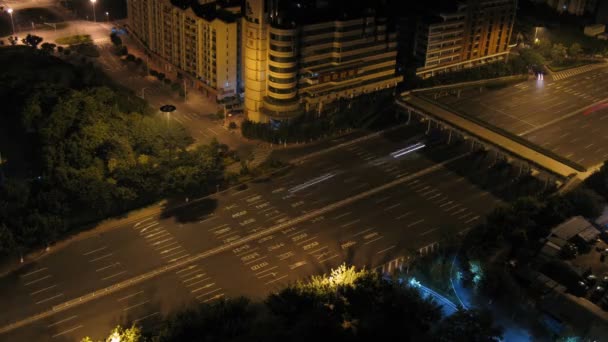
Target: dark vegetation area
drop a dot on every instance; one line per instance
(347, 305)
(77, 148)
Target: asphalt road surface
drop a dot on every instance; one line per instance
(549, 113)
(370, 226)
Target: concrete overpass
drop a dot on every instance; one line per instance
(508, 146)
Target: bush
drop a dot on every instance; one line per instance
(60, 49)
(232, 125)
(67, 52)
(88, 50)
(160, 76)
(167, 81)
(138, 61)
(130, 58)
(153, 72)
(175, 86)
(122, 51)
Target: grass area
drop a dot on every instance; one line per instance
(75, 39)
(570, 64)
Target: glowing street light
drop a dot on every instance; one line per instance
(10, 12)
(115, 337)
(108, 16)
(93, 3)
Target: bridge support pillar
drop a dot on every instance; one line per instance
(409, 116)
(428, 127)
(449, 137)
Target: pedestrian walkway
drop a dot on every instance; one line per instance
(556, 76)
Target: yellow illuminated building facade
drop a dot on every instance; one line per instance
(294, 67)
(202, 41)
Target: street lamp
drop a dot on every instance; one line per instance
(93, 3)
(108, 17)
(10, 12)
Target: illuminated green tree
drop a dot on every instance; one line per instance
(119, 334)
(575, 50)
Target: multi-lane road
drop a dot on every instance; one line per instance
(549, 113)
(358, 204)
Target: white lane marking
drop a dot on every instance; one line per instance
(101, 257)
(471, 219)
(212, 131)
(198, 281)
(106, 267)
(96, 250)
(446, 203)
(50, 298)
(67, 331)
(386, 249)
(203, 287)
(403, 215)
(276, 279)
(135, 305)
(142, 221)
(327, 259)
(114, 275)
(34, 272)
(186, 269)
(145, 317)
(154, 224)
(212, 217)
(217, 296)
(266, 270)
(363, 231)
(415, 223)
(350, 223)
(376, 239)
(130, 296)
(208, 293)
(62, 321)
(392, 206)
(37, 280)
(198, 276)
(42, 290)
(428, 231)
(162, 241)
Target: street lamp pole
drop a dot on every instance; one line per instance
(108, 17)
(94, 16)
(10, 12)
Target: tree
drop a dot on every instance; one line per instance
(558, 54)
(586, 202)
(469, 326)
(32, 40)
(531, 57)
(575, 50)
(132, 334)
(48, 47)
(115, 39)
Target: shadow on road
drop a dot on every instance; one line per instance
(191, 212)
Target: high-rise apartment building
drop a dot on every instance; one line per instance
(296, 57)
(200, 39)
(576, 7)
(464, 35)
(302, 61)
